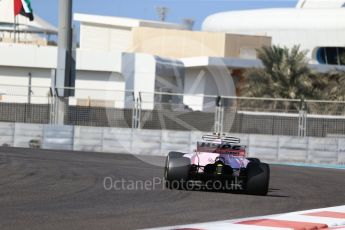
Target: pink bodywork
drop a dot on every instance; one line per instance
(205, 158)
(208, 152)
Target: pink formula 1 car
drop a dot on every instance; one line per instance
(218, 160)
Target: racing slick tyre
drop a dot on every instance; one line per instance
(175, 154)
(258, 177)
(254, 159)
(176, 170)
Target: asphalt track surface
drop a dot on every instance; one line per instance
(41, 189)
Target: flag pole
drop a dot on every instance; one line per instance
(17, 29)
(14, 27)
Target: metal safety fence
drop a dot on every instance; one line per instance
(171, 111)
(95, 107)
(87, 107)
(25, 104)
(176, 111)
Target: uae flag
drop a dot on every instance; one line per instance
(23, 7)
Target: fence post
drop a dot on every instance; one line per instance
(133, 110)
(219, 116)
(52, 93)
(136, 116)
(302, 120)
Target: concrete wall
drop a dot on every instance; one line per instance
(207, 80)
(19, 76)
(95, 69)
(7, 134)
(23, 55)
(107, 87)
(177, 43)
(45, 57)
(160, 142)
(104, 37)
(244, 46)
(184, 43)
(112, 33)
(58, 137)
(24, 134)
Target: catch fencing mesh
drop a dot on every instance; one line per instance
(169, 111)
(177, 112)
(97, 107)
(25, 104)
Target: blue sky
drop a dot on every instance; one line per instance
(145, 9)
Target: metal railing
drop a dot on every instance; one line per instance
(26, 104)
(169, 111)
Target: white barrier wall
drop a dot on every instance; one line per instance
(264, 147)
(161, 142)
(179, 141)
(146, 142)
(25, 133)
(341, 151)
(322, 150)
(88, 138)
(58, 137)
(6, 134)
(292, 149)
(117, 140)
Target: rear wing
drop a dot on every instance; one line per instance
(223, 138)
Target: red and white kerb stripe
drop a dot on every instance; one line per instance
(326, 218)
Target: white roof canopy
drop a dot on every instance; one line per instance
(280, 19)
(124, 22)
(320, 4)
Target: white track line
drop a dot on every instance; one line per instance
(323, 218)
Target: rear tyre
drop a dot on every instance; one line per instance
(175, 154)
(258, 177)
(176, 170)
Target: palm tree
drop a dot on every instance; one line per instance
(334, 91)
(285, 75)
(336, 85)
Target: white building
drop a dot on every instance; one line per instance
(316, 25)
(120, 55)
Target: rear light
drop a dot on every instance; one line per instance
(219, 169)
